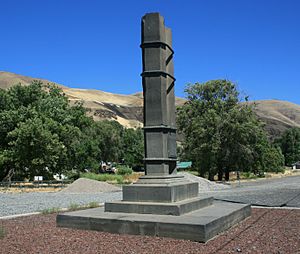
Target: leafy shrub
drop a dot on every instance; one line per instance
(248, 175)
(280, 170)
(103, 177)
(124, 170)
(72, 175)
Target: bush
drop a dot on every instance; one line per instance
(248, 175)
(124, 170)
(103, 177)
(280, 170)
(72, 175)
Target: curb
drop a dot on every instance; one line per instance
(276, 207)
(18, 215)
(34, 213)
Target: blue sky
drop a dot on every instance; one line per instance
(95, 44)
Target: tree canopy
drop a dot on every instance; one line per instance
(42, 134)
(289, 143)
(222, 134)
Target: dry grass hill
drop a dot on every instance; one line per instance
(127, 109)
(278, 115)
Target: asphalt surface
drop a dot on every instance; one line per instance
(280, 192)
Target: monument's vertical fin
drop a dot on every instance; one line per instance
(159, 99)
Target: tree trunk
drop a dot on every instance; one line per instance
(226, 175)
(220, 175)
(8, 175)
(211, 176)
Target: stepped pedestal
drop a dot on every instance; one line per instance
(161, 203)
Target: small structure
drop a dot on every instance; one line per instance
(296, 165)
(162, 202)
(184, 165)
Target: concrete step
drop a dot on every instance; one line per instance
(174, 208)
(200, 225)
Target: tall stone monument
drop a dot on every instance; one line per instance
(160, 203)
(160, 190)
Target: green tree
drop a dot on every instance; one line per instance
(289, 143)
(39, 131)
(42, 134)
(133, 147)
(220, 132)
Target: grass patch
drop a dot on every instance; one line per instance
(50, 210)
(103, 177)
(2, 232)
(74, 207)
(93, 205)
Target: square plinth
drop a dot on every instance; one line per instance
(175, 208)
(200, 225)
(168, 192)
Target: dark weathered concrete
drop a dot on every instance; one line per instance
(161, 182)
(159, 98)
(171, 192)
(173, 208)
(200, 225)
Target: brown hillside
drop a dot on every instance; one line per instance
(127, 109)
(278, 115)
(8, 79)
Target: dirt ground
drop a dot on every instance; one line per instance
(21, 190)
(266, 231)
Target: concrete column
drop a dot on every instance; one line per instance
(159, 99)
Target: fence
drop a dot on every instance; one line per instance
(35, 184)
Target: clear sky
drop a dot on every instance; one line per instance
(95, 43)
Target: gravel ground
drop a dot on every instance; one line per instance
(266, 231)
(274, 192)
(204, 184)
(82, 192)
(83, 185)
(32, 202)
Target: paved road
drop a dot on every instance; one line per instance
(280, 192)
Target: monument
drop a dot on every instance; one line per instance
(160, 203)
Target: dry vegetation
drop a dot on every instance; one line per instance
(127, 109)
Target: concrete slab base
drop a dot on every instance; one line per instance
(199, 225)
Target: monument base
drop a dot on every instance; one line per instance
(174, 208)
(160, 192)
(199, 225)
